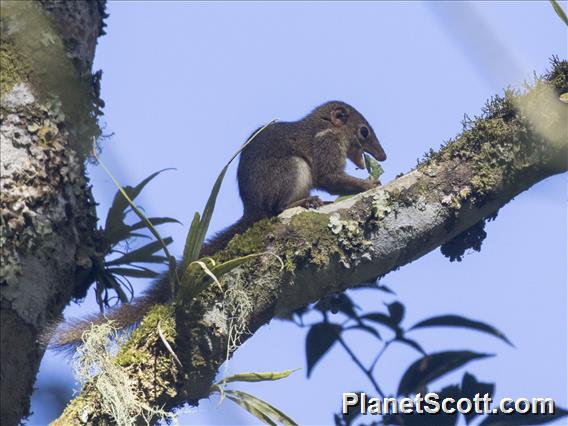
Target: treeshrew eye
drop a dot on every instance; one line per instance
(364, 131)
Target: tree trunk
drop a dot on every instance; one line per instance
(48, 112)
(520, 140)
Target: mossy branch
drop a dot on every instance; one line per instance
(519, 140)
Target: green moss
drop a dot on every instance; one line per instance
(248, 242)
(501, 145)
(492, 144)
(495, 147)
(12, 66)
(310, 222)
(135, 350)
(33, 51)
(308, 240)
(80, 409)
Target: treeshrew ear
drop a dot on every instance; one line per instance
(339, 116)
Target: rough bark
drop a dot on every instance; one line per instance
(48, 114)
(520, 140)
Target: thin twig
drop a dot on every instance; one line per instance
(381, 352)
(361, 366)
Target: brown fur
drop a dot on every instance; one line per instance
(277, 170)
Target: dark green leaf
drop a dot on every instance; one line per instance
(411, 343)
(148, 259)
(135, 235)
(200, 283)
(262, 410)
(134, 273)
(196, 278)
(559, 11)
(116, 213)
(385, 289)
(125, 232)
(154, 221)
(459, 321)
(366, 328)
(191, 241)
(140, 214)
(110, 282)
(381, 318)
(223, 268)
(319, 340)
(396, 311)
(143, 254)
(470, 387)
(431, 367)
(251, 408)
(207, 214)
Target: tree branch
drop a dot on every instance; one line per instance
(520, 140)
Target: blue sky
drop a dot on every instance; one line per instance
(186, 83)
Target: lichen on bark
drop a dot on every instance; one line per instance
(47, 212)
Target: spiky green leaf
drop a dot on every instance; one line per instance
(117, 210)
(144, 254)
(259, 377)
(124, 232)
(191, 241)
(262, 410)
(109, 281)
(134, 273)
(559, 11)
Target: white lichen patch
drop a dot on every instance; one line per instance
(44, 214)
(455, 199)
(288, 214)
(20, 95)
(13, 158)
(351, 239)
(381, 205)
(335, 223)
